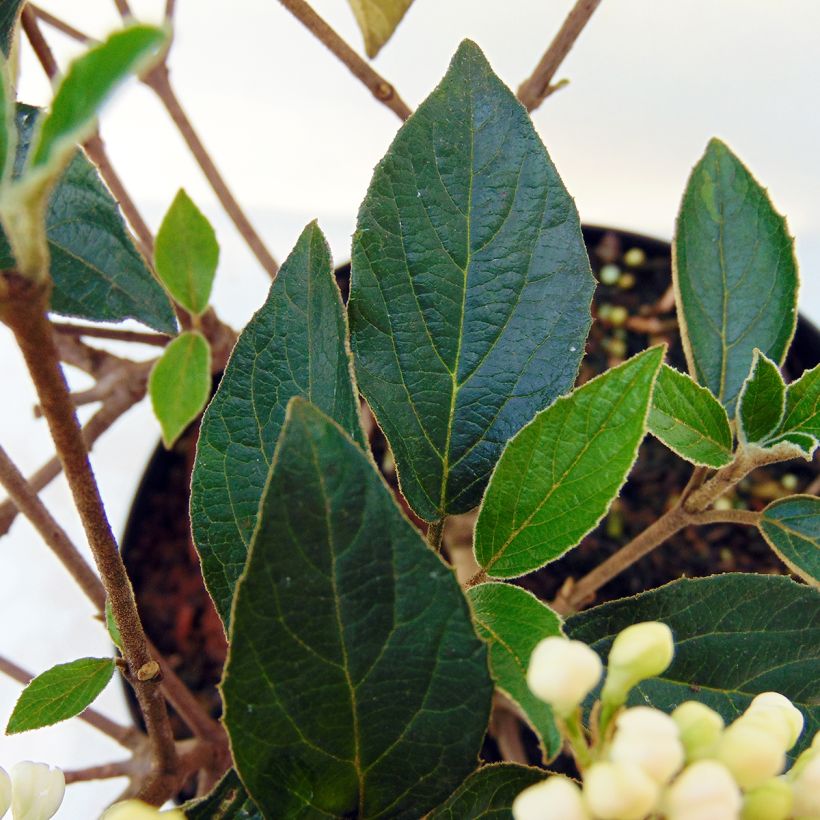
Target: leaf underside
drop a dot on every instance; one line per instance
(347, 692)
(736, 635)
(791, 526)
(377, 20)
(470, 287)
(735, 274)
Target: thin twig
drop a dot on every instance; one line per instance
(534, 90)
(127, 736)
(115, 334)
(170, 9)
(28, 20)
(107, 771)
(435, 530)
(124, 9)
(749, 518)
(61, 25)
(380, 88)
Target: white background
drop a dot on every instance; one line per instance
(297, 137)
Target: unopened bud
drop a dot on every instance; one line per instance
(700, 728)
(751, 752)
(792, 717)
(648, 738)
(806, 789)
(770, 801)
(5, 792)
(36, 791)
(562, 673)
(137, 810)
(703, 790)
(641, 651)
(619, 791)
(556, 798)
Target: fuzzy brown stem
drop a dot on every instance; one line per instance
(748, 518)
(113, 333)
(380, 88)
(23, 309)
(534, 90)
(107, 771)
(435, 531)
(60, 25)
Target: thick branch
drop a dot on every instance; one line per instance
(533, 91)
(380, 88)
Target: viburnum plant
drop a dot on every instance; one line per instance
(361, 674)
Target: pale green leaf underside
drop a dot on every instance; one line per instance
(180, 383)
(60, 693)
(736, 636)
(512, 621)
(186, 254)
(488, 793)
(558, 476)
(377, 20)
(689, 420)
(791, 526)
(470, 287)
(295, 345)
(356, 685)
(735, 274)
(762, 401)
(97, 272)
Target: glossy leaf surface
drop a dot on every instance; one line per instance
(512, 621)
(60, 693)
(377, 20)
(791, 526)
(735, 274)
(762, 401)
(689, 420)
(736, 635)
(295, 345)
(356, 685)
(558, 476)
(470, 287)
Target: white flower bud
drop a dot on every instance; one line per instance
(619, 791)
(562, 673)
(790, 714)
(137, 810)
(771, 801)
(703, 791)
(641, 651)
(700, 728)
(752, 752)
(556, 798)
(36, 791)
(5, 792)
(806, 789)
(649, 739)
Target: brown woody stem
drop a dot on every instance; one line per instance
(113, 333)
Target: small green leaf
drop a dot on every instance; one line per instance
(180, 383)
(689, 420)
(512, 621)
(377, 20)
(111, 625)
(470, 287)
(488, 793)
(60, 693)
(761, 402)
(228, 801)
(355, 685)
(88, 83)
(800, 444)
(186, 254)
(736, 635)
(791, 526)
(8, 131)
(295, 345)
(735, 274)
(803, 405)
(9, 14)
(558, 476)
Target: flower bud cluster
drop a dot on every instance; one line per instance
(33, 791)
(640, 762)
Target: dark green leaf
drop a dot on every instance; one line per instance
(736, 636)
(377, 20)
(88, 83)
(761, 402)
(180, 383)
(97, 272)
(689, 420)
(355, 684)
(186, 254)
(803, 405)
(800, 444)
(470, 287)
(792, 528)
(228, 801)
(558, 476)
(512, 621)
(9, 12)
(488, 793)
(295, 345)
(60, 693)
(735, 274)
